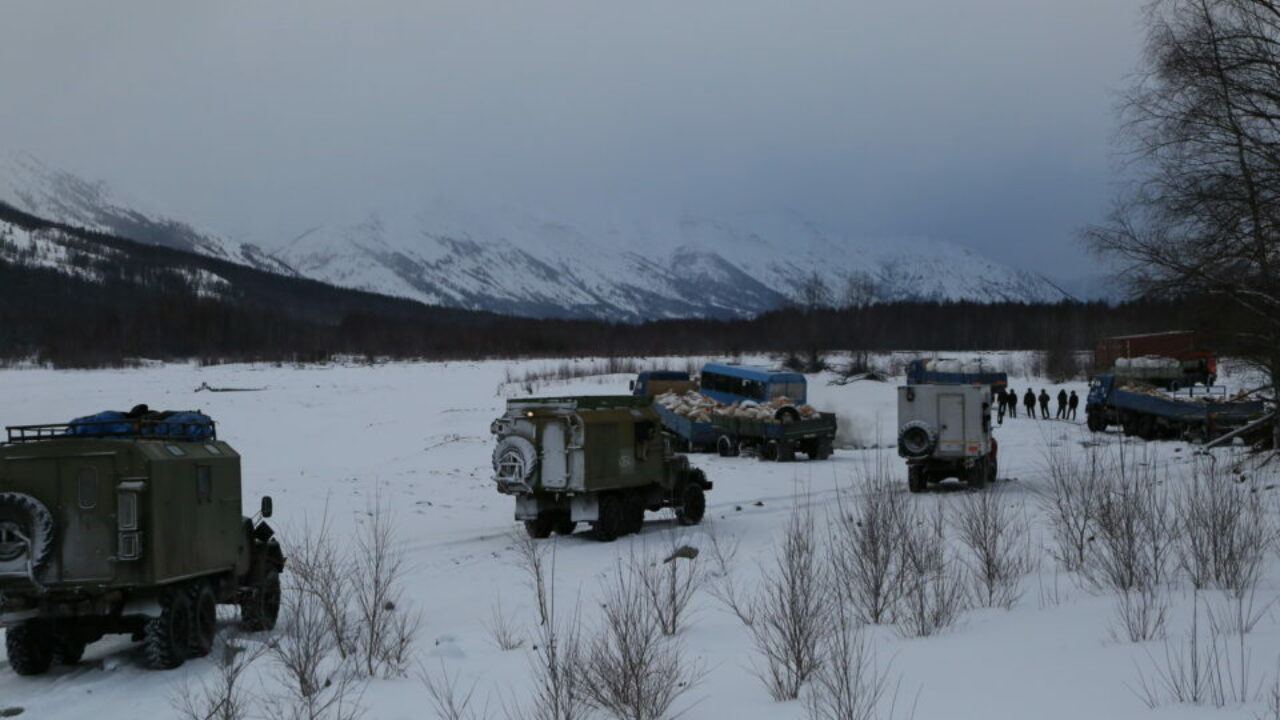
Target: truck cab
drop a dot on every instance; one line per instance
(743, 383)
(651, 383)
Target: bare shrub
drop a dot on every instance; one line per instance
(385, 627)
(669, 584)
(866, 548)
(723, 585)
(1141, 613)
(848, 685)
(1134, 538)
(1207, 667)
(224, 697)
(531, 557)
(1071, 504)
(315, 683)
(502, 629)
(324, 572)
(632, 671)
(358, 591)
(790, 612)
(933, 584)
(1223, 532)
(1271, 701)
(996, 540)
(448, 698)
(560, 691)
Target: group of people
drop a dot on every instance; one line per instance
(1007, 402)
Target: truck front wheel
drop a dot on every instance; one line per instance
(540, 527)
(693, 506)
(260, 610)
(30, 647)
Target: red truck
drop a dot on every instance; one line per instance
(1194, 364)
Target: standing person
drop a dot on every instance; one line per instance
(1062, 404)
(1011, 400)
(1029, 402)
(1072, 403)
(1000, 403)
(1044, 404)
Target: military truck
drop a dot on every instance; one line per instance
(127, 523)
(944, 431)
(601, 460)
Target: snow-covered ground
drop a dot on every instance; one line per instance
(417, 435)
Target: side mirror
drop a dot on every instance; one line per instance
(633, 386)
(267, 506)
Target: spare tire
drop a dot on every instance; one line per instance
(24, 519)
(514, 460)
(917, 440)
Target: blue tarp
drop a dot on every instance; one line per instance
(184, 425)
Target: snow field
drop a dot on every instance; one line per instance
(415, 436)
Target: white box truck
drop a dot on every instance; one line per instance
(944, 431)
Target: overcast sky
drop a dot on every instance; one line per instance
(986, 122)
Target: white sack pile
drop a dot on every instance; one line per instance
(972, 367)
(700, 408)
(1149, 362)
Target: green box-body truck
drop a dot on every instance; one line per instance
(131, 525)
(601, 460)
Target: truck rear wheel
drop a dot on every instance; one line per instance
(68, 645)
(167, 638)
(917, 480)
(204, 624)
(976, 477)
(611, 520)
(30, 647)
(540, 527)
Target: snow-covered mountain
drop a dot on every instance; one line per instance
(52, 194)
(693, 267)
(518, 264)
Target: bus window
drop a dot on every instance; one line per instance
(789, 390)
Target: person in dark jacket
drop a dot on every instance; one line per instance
(1001, 402)
(1044, 404)
(1011, 402)
(1062, 404)
(1029, 402)
(1072, 403)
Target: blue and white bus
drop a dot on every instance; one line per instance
(736, 383)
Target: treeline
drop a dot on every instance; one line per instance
(132, 302)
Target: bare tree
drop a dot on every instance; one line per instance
(1071, 504)
(814, 292)
(531, 556)
(669, 584)
(1203, 126)
(315, 683)
(933, 583)
(996, 540)
(631, 669)
(866, 547)
(789, 614)
(322, 570)
(385, 626)
(859, 290)
(849, 685)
